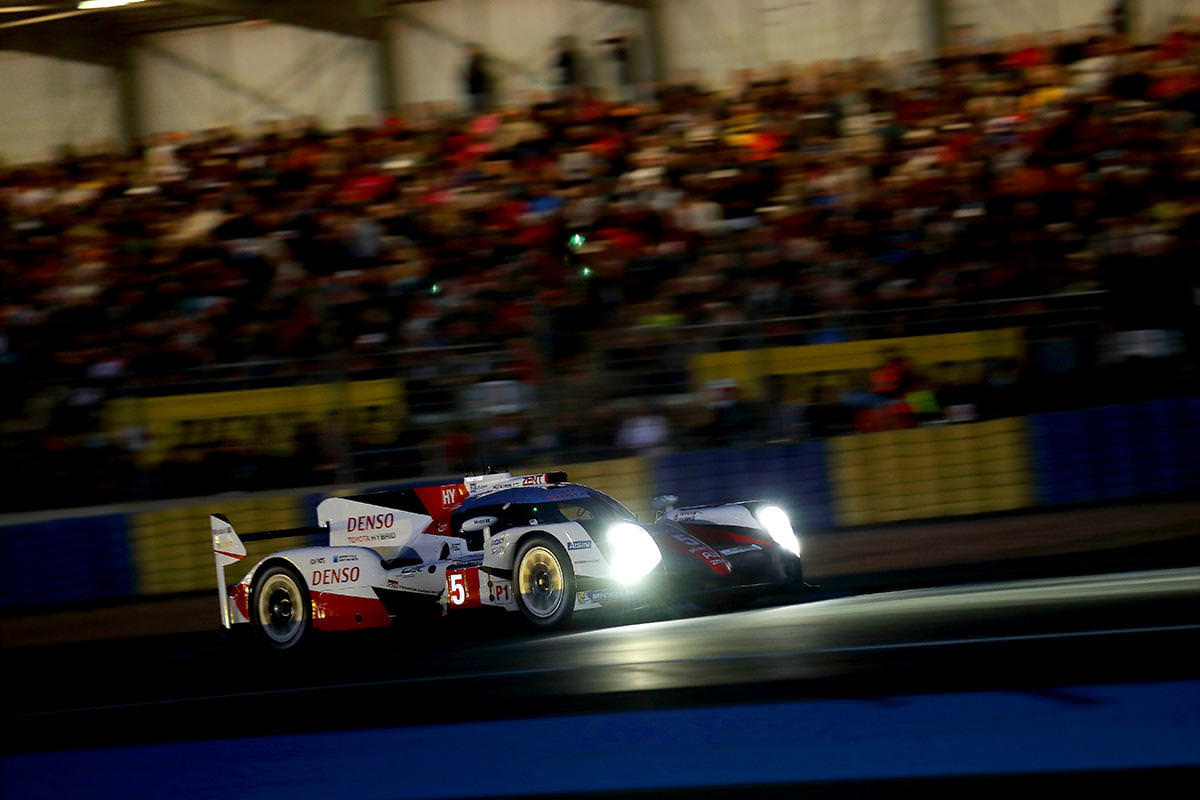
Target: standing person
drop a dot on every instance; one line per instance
(478, 80)
(619, 51)
(566, 63)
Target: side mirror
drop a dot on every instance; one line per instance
(478, 523)
(663, 504)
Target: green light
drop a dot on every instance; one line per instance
(576, 241)
(435, 289)
(586, 272)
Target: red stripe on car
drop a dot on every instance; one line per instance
(340, 612)
(686, 543)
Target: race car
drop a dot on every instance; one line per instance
(535, 544)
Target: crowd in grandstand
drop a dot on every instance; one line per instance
(799, 207)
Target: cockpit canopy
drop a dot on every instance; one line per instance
(531, 506)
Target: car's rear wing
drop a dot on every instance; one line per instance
(229, 548)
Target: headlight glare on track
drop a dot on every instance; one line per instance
(775, 521)
(632, 552)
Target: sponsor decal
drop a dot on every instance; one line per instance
(370, 522)
(393, 583)
(333, 575)
(498, 592)
(497, 545)
(253, 416)
(320, 560)
(364, 538)
(602, 596)
(448, 497)
(579, 544)
(456, 547)
(684, 515)
(745, 548)
(698, 548)
(345, 557)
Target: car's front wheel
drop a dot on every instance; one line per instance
(545, 582)
(280, 608)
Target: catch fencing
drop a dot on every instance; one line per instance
(989, 408)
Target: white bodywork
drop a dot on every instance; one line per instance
(733, 515)
(364, 538)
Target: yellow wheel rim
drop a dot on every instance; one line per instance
(540, 582)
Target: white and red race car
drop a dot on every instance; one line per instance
(531, 543)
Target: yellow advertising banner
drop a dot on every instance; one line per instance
(265, 420)
(837, 364)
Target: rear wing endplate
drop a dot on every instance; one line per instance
(229, 548)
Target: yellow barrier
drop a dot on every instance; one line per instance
(172, 548)
(260, 418)
(930, 472)
(747, 368)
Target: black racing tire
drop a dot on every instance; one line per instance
(280, 608)
(544, 582)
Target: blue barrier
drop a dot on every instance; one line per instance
(797, 476)
(71, 560)
(1116, 452)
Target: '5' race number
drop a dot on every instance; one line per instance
(462, 587)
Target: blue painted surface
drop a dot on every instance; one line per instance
(975, 733)
(1116, 452)
(66, 561)
(796, 476)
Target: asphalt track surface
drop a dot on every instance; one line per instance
(1018, 635)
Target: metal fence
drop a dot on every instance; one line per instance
(651, 388)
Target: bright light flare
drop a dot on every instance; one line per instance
(775, 520)
(632, 552)
(91, 5)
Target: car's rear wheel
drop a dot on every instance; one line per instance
(280, 608)
(545, 582)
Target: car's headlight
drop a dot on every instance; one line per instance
(775, 520)
(632, 552)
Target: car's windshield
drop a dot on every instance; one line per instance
(595, 507)
(589, 509)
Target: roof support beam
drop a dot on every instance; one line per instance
(69, 41)
(656, 33)
(937, 17)
(385, 69)
(347, 17)
(642, 4)
(129, 97)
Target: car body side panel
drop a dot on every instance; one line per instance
(594, 588)
(500, 549)
(340, 583)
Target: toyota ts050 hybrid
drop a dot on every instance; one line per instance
(535, 544)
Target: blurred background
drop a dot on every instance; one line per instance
(882, 260)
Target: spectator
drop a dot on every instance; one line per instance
(566, 64)
(478, 80)
(835, 202)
